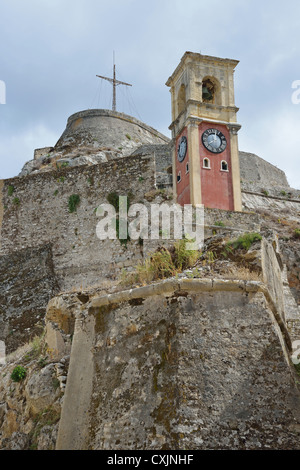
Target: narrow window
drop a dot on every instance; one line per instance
(224, 166)
(179, 177)
(206, 163)
(187, 168)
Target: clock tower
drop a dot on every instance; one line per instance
(206, 168)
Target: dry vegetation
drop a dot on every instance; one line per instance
(163, 263)
(220, 259)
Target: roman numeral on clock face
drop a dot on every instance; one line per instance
(214, 140)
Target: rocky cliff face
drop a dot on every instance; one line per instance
(30, 409)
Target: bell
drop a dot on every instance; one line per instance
(206, 94)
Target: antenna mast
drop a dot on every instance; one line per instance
(115, 83)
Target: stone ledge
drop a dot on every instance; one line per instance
(168, 286)
(181, 285)
(284, 199)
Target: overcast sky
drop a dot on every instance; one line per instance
(52, 50)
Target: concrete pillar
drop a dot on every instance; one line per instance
(235, 166)
(73, 425)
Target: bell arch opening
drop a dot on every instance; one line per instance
(211, 90)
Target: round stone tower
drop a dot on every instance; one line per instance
(94, 136)
(101, 128)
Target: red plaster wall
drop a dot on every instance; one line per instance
(183, 188)
(216, 185)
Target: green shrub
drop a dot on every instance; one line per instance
(184, 258)
(42, 361)
(211, 257)
(297, 367)
(18, 374)
(163, 263)
(16, 201)
(10, 190)
(55, 383)
(159, 265)
(219, 223)
(244, 241)
(297, 233)
(113, 199)
(73, 202)
(36, 348)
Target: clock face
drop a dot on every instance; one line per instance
(214, 141)
(182, 148)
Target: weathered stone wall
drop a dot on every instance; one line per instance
(188, 364)
(163, 162)
(37, 212)
(27, 284)
(272, 267)
(255, 201)
(237, 221)
(292, 311)
(275, 277)
(256, 170)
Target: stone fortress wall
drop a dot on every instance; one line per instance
(34, 211)
(230, 338)
(36, 218)
(256, 170)
(37, 213)
(28, 282)
(182, 364)
(99, 136)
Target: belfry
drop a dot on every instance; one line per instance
(204, 127)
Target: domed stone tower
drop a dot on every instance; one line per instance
(94, 136)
